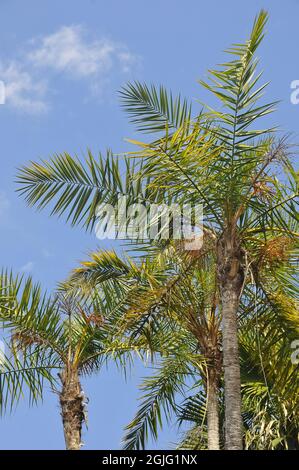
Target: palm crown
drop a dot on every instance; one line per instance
(57, 340)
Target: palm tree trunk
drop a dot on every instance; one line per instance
(213, 411)
(72, 409)
(230, 274)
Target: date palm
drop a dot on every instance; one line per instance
(172, 298)
(58, 341)
(216, 158)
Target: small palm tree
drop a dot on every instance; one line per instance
(70, 335)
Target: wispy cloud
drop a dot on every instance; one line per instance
(28, 267)
(69, 51)
(22, 91)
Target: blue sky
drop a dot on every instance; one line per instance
(62, 63)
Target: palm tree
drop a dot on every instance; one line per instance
(176, 309)
(193, 325)
(217, 159)
(70, 335)
(167, 301)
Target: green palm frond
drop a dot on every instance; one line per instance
(194, 439)
(158, 400)
(152, 109)
(235, 86)
(194, 409)
(24, 375)
(77, 189)
(24, 368)
(270, 422)
(31, 316)
(102, 266)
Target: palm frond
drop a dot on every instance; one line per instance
(158, 399)
(154, 109)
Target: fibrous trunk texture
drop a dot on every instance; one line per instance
(72, 408)
(231, 275)
(213, 411)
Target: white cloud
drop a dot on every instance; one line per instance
(69, 52)
(65, 50)
(22, 91)
(28, 267)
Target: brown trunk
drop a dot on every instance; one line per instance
(230, 273)
(213, 411)
(72, 409)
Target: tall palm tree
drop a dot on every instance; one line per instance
(218, 159)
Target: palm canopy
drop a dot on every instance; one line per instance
(48, 334)
(241, 174)
(225, 162)
(217, 158)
